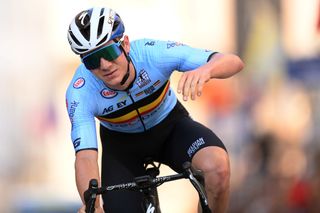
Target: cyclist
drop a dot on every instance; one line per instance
(125, 85)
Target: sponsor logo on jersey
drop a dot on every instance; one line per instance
(143, 78)
(174, 44)
(149, 43)
(107, 93)
(129, 115)
(195, 146)
(72, 110)
(73, 107)
(79, 83)
(121, 104)
(76, 142)
(107, 109)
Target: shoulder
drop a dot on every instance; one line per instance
(147, 49)
(148, 43)
(81, 83)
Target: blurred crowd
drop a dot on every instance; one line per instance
(276, 150)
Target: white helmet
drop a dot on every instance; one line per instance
(94, 27)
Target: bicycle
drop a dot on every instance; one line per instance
(147, 185)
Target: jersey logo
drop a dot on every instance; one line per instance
(76, 142)
(107, 109)
(150, 43)
(79, 83)
(174, 44)
(121, 104)
(195, 146)
(143, 78)
(106, 93)
(72, 110)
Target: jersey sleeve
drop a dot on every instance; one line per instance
(170, 56)
(80, 110)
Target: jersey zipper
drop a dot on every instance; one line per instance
(139, 115)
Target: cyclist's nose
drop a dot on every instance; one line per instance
(104, 64)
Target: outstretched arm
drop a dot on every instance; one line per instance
(86, 168)
(219, 66)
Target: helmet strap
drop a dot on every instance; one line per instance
(126, 76)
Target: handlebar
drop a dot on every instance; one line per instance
(146, 181)
(90, 195)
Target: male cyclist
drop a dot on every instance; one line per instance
(125, 85)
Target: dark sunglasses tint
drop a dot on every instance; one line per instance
(110, 53)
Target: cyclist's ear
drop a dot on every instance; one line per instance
(126, 43)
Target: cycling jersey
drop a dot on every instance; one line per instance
(145, 104)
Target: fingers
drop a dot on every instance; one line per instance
(82, 209)
(97, 209)
(181, 82)
(193, 87)
(187, 86)
(190, 84)
(200, 87)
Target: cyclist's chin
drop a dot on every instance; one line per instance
(112, 82)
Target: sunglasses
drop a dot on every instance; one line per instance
(110, 53)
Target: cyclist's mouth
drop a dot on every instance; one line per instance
(110, 74)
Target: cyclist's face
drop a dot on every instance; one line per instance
(111, 71)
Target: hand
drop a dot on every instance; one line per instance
(192, 82)
(82, 209)
(97, 209)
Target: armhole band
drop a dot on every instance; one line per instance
(86, 149)
(210, 56)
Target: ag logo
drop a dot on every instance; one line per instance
(79, 83)
(106, 93)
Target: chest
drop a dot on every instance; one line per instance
(148, 87)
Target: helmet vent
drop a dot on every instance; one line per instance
(81, 50)
(103, 40)
(74, 38)
(82, 21)
(100, 26)
(102, 11)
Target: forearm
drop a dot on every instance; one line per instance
(219, 66)
(224, 65)
(86, 168)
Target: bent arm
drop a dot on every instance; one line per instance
(223, 65)
(86, 168)
(220, 66)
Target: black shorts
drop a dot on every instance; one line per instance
(172, 142)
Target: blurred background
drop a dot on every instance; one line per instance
(268, 115)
